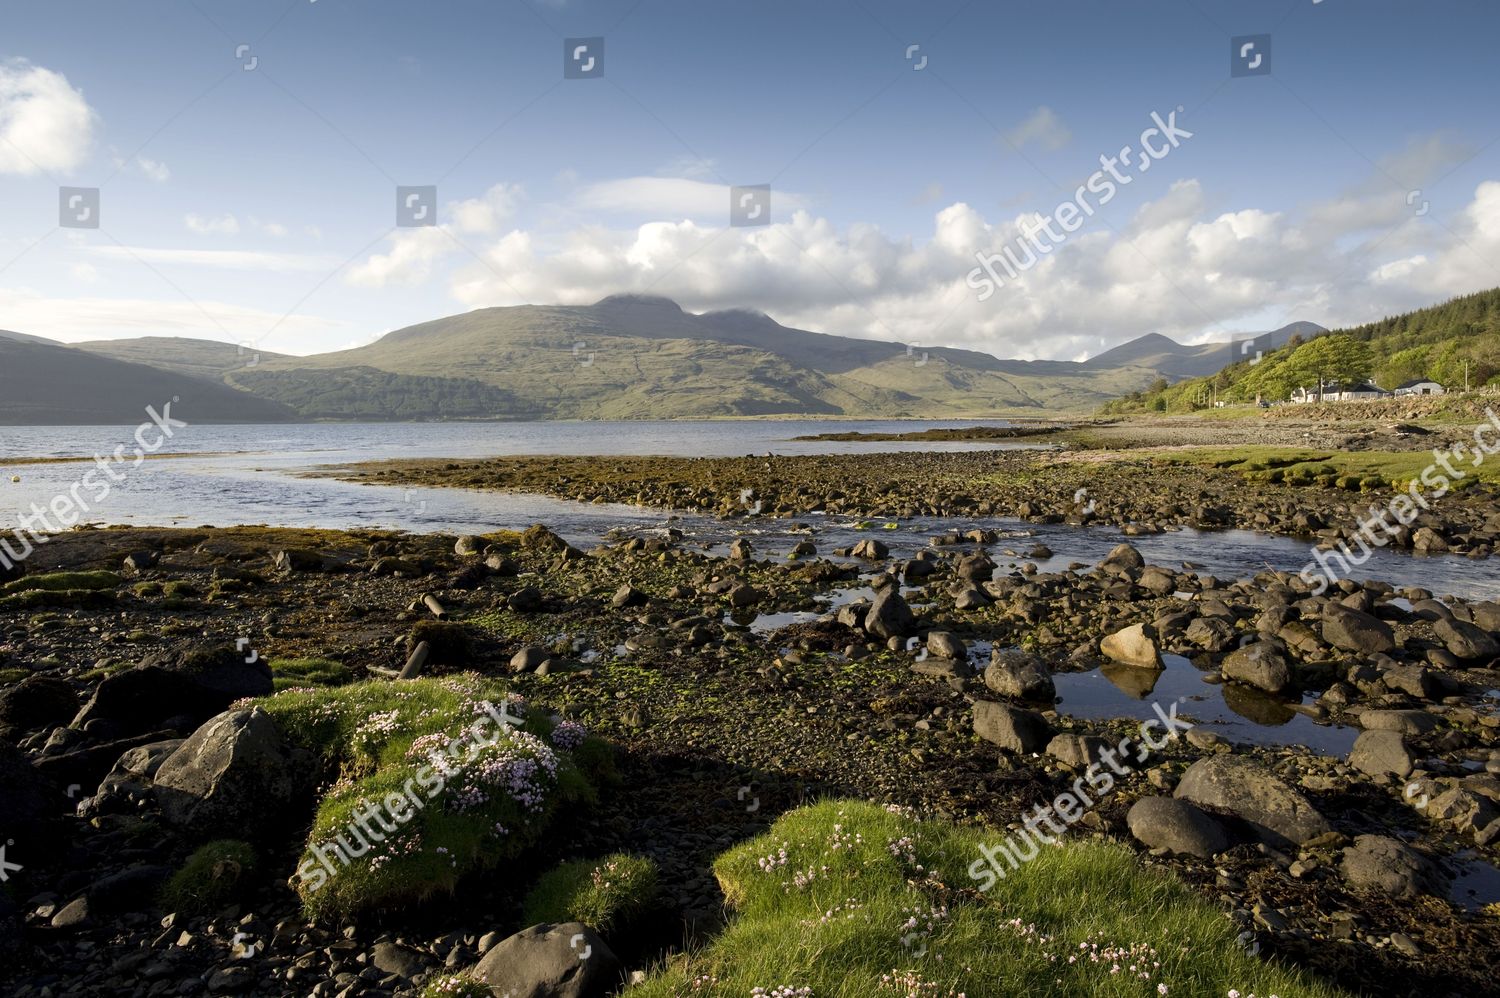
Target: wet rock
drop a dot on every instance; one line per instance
(468, 546)
(1123, 560)
(234, 776)
(1169, 823)
(870, 549)
(889, 616)
(550, 961)
(744, 595)
(1019, 674)
(740, 550)
(1380, 863)
(1379, 752)
(971, 598)
(1465, 640)
(1261, 665)
(1135, 645)
(1356, 631)
(1279, 815)
(976, 567)
(1010, 727)
(298, 560)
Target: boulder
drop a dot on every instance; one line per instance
(525, 600)
(1262, 665)
(1169, 823)
(1123, 560)
(944, 644)
(37, 702)
(1210, 633)
(528, 658)
(1408, 722)
(28, 801)
(628, 596)
(870, 549)
(1019, 674)
(740, 550)
(889, 616)
(129, 783)
(551, 961)
(1379, 752)
(234, 777)
(1010, 727)
(1356, 631)
(468, 546)
(538, 538)
(298, 560)
(1136, 645)
(1279, 815)
(1465, 640)
(196, 681)
(1077, 751)
(1380, 863)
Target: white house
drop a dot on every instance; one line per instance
(1420, 387)
(1334, 392)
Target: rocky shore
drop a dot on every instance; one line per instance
(926, 682)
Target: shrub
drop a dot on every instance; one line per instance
(407, 819)
(211, 877)
(849, 900)
(603, 894)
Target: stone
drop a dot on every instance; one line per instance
(1124, 560)
(38, 702)
(468, 546)
(525, 600)
(1135, 645)
(403, 961)
(1356, 631)
(944, 644)
(628, 596)
(1011, 728)
(744, 595)
(1380, 863)
(1210, 633)
(1169, 823)
(1077, 751)
(235, 776)
(551, 961)
(1465, 640)
(1261, 665)
(1279, 815)
(195, 681)
(1408, 722)
(1019, 674)
(870, 549)
(528, 658)
(1379, 752)
(889, 616)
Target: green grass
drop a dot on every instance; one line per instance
(468, 815)
(602, 894)
(210, 878)
(55, 582)
(8, 676)
(890, 909)
(290, 673)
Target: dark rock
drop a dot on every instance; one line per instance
(197, 680)
(1380, 863)
(1010, 727)
(628, 596)
(1279, 815)
(37, 702)
(1261, 665)
(525, 600)
(550, 961)
(870, 549)
(889, 616)
(1019, 674)
(1379, 752)
(1355, 631)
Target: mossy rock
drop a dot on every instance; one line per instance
(211, 878)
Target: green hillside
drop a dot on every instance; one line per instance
(199, 358)
(1435, 344)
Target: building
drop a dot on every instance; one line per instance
(1420, 387)
(1335, 392)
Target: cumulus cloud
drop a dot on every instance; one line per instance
(1043, 127)
(1180, 265)
(45, 123)
(222, 225)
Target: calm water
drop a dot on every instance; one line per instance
(251, 475)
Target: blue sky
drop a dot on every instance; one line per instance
(258, 205)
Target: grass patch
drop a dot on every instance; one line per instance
(289, 673)
(603, 894)
(9, 676)
(455, 986)
(849, 900)
(406, 818)
(1358, 470)
(210, 878)
(56, 582)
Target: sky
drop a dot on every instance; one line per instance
(247, 155)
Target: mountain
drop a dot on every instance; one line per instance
(1175, 360)
(6, 334)
(44, 383)
(640, 357)
(210, 359)
(634, 356)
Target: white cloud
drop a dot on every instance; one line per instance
(671, 197)
(154, 169)
(484, 214)
(45, 124)
(410, 261)
(1043, 128)
(73, 319)
(223, 225)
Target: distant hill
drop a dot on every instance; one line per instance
(641, 357)
(1445, 343)
(42, 383)
(1173, 360)
(6, 334)
(199, 358)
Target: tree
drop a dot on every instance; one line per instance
(1330, 358)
